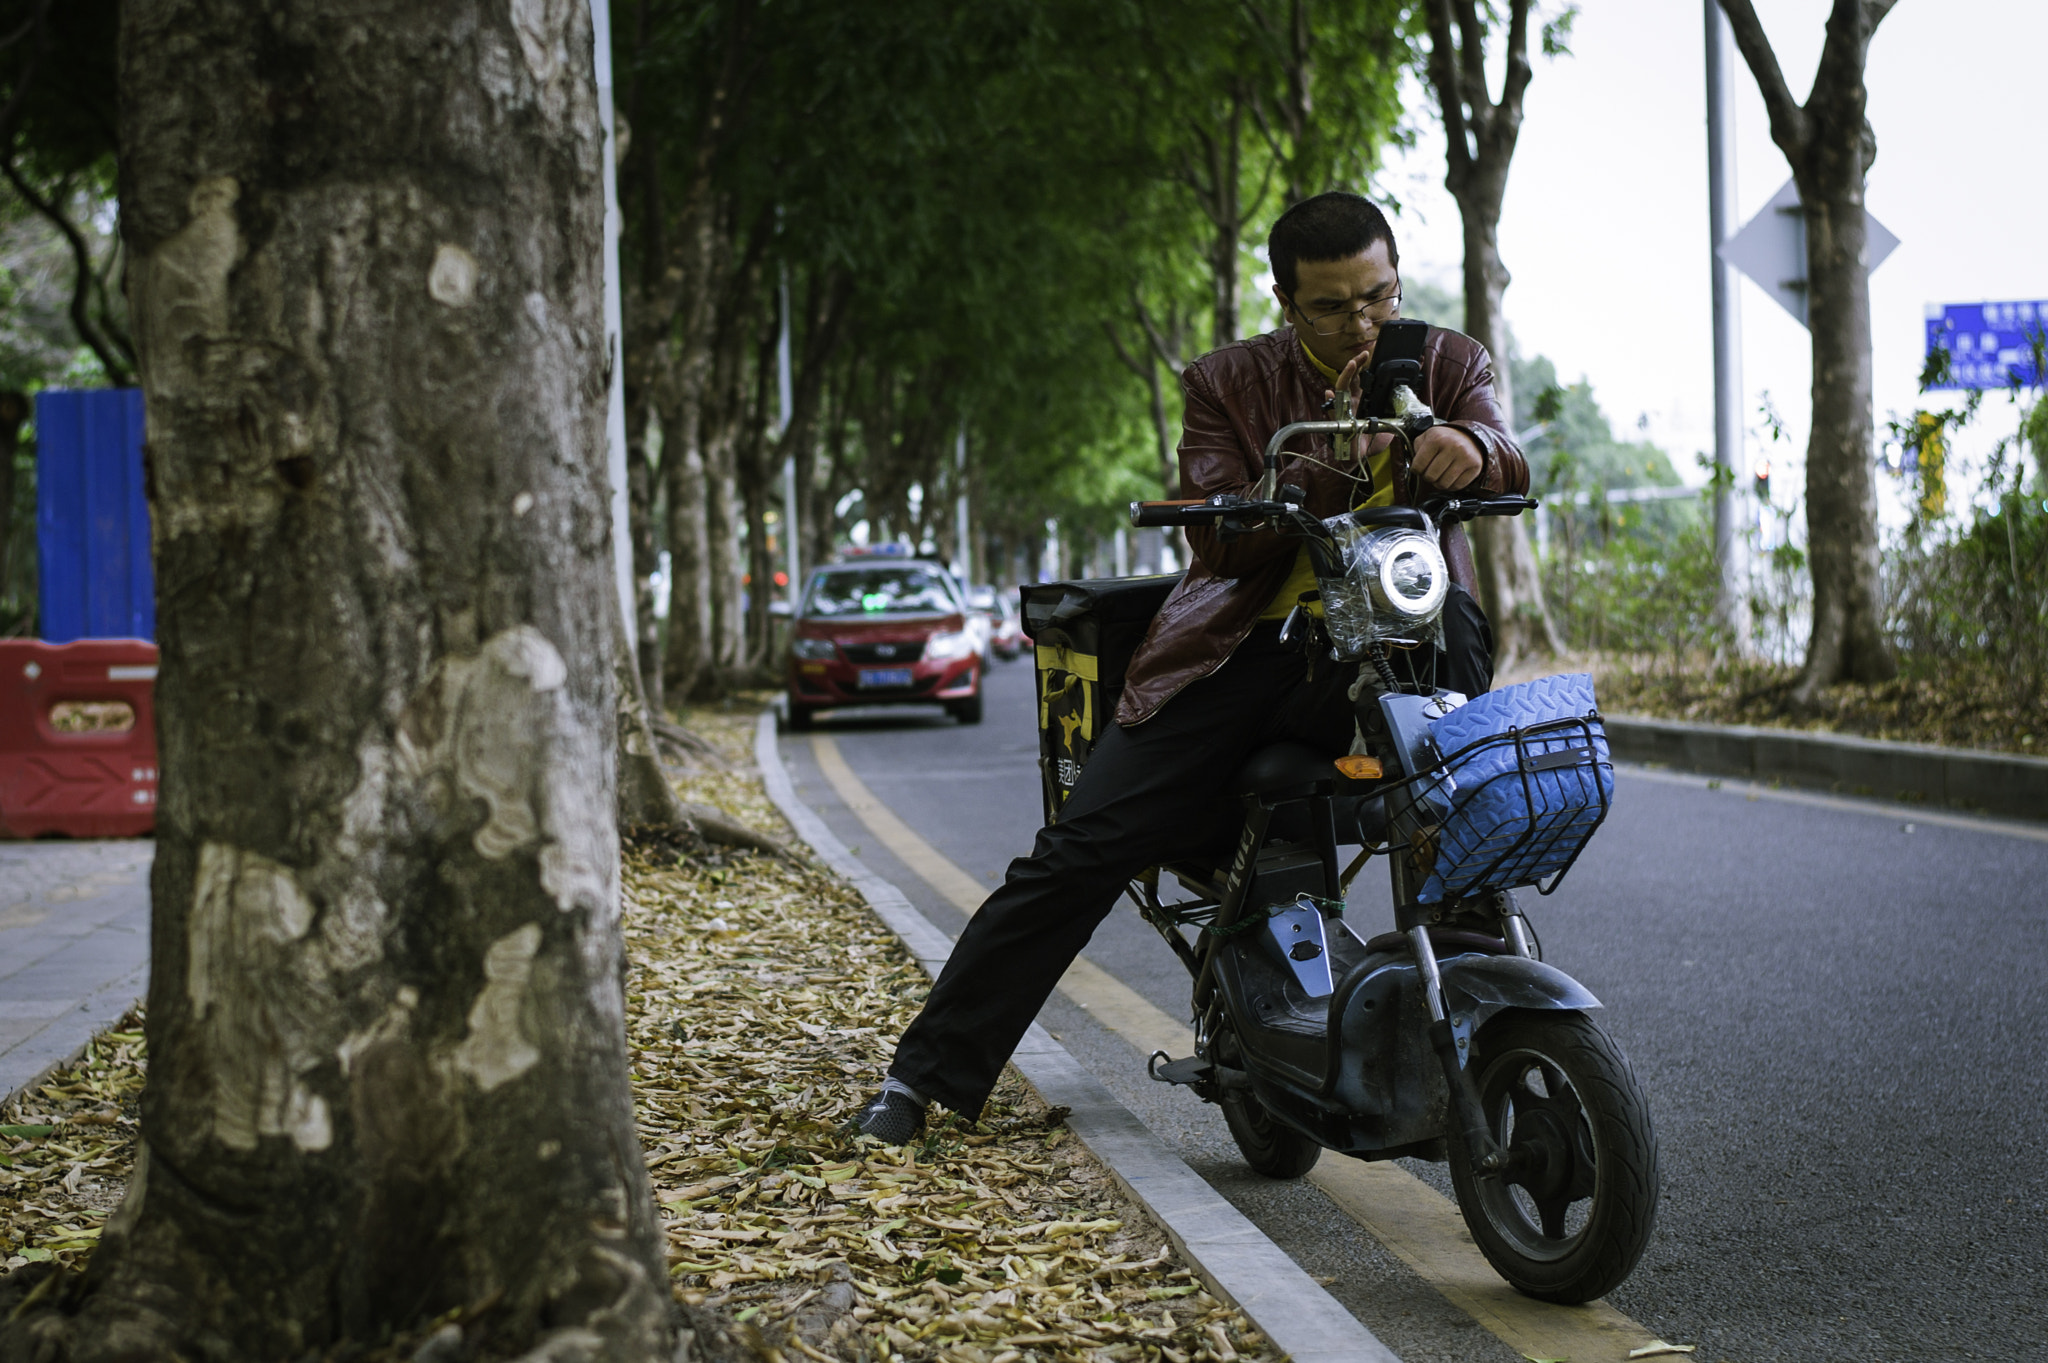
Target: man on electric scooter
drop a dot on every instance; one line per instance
(1157, 782)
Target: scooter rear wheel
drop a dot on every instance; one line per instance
(1570, 1216)
(1268, 1145)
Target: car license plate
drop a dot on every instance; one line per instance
(885, 676)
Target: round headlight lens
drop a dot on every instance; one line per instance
(1412, 580)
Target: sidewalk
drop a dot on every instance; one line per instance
(74, 948)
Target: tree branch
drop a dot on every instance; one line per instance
(1472, 57)
(1123, 354)
(26, 76)
(1167, 351)
(119, 369)
(1789, 127)
(1443, 74)
(1267, 132)
(1519, 70)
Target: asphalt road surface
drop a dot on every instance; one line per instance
(1838, 1009)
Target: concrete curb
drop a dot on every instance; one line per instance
(1233, 1256)
(1992, 783)
(63, 1042)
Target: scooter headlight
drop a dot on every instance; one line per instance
(1393, 585)
(1407, 576)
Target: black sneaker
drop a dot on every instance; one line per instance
(892, 1117)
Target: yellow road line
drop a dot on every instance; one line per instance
(1424, 1230)
(1419, 1225)
(1122, 1010)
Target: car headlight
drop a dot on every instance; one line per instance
(945, 647)
(814, 650)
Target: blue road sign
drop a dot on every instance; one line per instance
(1990, 345)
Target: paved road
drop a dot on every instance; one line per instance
(1839, 1011)
(74, 947)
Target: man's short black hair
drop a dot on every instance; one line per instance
(1333, 226)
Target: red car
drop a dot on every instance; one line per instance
(877, 633)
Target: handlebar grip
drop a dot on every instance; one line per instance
(1148, 514)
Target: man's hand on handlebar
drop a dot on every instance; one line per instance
(1447, 458)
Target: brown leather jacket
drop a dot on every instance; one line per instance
(1236, 398)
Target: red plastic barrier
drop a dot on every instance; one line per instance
(77, 738)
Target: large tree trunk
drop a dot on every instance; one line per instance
(688, 656)
(387, 1056)
(1480, 135)
(1510, 578)
(1830, 146)
(640, 508)
(1848, 638)
(725, 624)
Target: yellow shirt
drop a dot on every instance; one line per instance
(1303, 579)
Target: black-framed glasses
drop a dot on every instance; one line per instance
(1369, 314)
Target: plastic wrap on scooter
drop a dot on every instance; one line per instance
(1531, 778)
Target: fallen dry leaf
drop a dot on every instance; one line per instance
(753, 1044)
(998, 1240)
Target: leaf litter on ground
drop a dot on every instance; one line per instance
(765, 1000)
(764, 1004)
(65, 1150)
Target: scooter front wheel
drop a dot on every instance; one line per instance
(1568, 1217)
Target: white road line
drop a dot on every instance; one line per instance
(1414, 1221)
(1894, 810)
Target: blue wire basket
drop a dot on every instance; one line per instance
(1527, 781)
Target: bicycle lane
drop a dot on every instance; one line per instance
(1416, 1280)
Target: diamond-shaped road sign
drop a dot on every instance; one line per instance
(1771, 249)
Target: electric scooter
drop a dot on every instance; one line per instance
(1449, 1037)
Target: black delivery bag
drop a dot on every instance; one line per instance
(1085, 633)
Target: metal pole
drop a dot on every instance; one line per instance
(963, 552)
(1733, 603)
(614, 326)
(783, 391)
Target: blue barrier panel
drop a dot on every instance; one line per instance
(92, 520)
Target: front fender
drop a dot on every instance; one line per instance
(1476, 987)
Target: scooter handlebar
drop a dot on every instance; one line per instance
(1451, 510)
(1194, 512)
(1209, 511)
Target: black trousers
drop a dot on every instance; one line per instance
(1154, 792)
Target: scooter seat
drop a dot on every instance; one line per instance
(1285, 768)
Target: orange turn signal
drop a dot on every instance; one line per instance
(1359, 768)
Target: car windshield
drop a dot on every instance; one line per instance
(894, 590)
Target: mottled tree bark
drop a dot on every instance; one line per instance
(387, 1056)
(1830, 145)
(1480, 134)
(722, 510)
(640, 509)
(688, 654)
